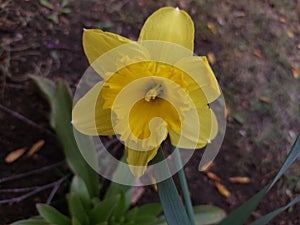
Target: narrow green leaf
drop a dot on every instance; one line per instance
(65, 11)
(53, 17)
(144, 219)
(46, 4)
(117, 189)
(292, 156)
(77, 210)
(241, 214)
(103, 210)
(120, 209)
(48, 88)
(103, 223)
(131, 214)
(75, 221)
(64, 3)
(31, 222)
(52, 215)
(61, 105)
(173, 208)
(267, 218)
(79, 188)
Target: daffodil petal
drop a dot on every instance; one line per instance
(88, 115)
(207, 130)
(171, 25)
(97, 42)
(138, 160)
(200, 75)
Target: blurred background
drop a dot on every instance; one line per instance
(252, 46)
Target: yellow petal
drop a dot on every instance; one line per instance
(88, 115)
(200, 75)
(206, 130)
(97, 42)
(143, 126)
(138, 160)
(171, 25)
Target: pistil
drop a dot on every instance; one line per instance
(154, 92)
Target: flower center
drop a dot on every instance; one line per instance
(154, 92)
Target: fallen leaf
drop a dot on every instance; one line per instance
(257, 53)
(14, 155)
(211, 57)
(35, 147)
(290, 33)
(295, 72)
(222, 189)
(213, 176)
(283, 19)
(265, 99)
(238, 54)
(212, 27)
(239, 180)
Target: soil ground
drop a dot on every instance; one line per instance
(253, 47)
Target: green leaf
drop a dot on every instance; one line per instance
(103, 223)
(103, 210)
(120, 209)
(267, 218)
(174, 210)
(75, 221)
(208, 214)
(241, 214)
(31, 222)
(53, 17)
(204, 215)
(61, 113)
(77, 210)
(64, 3)
(117, 189)
(52, 216)
(65, 11)
(60, 101)
(48, 88)
(144, 219)
(79, 188)
(153, 209)
(46, 4)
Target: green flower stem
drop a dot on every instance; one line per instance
(184, 186)
(174, 210)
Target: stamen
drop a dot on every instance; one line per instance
(154, 92)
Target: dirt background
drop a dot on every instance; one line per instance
(253, 47)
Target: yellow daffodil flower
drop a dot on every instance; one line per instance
(150, 89)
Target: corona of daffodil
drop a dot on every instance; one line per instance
(150, 89)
